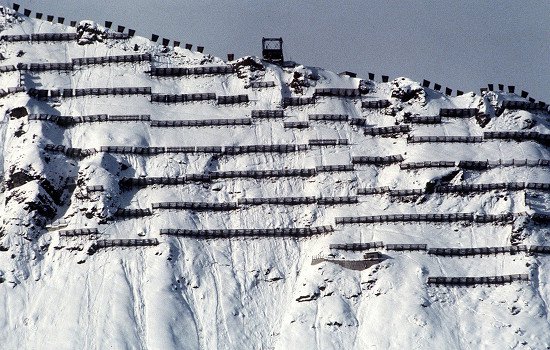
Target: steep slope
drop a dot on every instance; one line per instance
(63, 289)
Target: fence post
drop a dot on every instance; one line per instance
(524, 93)
(108, 24)
(425, 83)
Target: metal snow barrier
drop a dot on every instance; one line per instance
(327, 142)
(70, 152)
(120, 91)
(267, 114)
(69, 120)
(169, 98)
(387, 130)
(197, 206)
(227, 100)
(427, 164)
(512, 186)
(375, 104)
(524, 105)
(417, 119)
(9, 68)
(473, 164)
(296, 125)
(406, 218)
(208, 149)
(95, 188)
(14, 38)
(373, 190)
(42, 67)
(470, 281)
(337, 200)
(337, 92)
(117, 36)
(198, 178)
(477, 251)
(297, 101)
(108, 243)
(408, 192)
(334, 168)
(464, 139)
(112, 59)
(232, 150)
(277, 201)
(262, 84)
(377, 160)
(262, 174)
(357, 121)
(519, 162)
(538, 186)
(132, 212)
(53, 37)
(488, 218)
(78, 232)
(538, 249)
(129, 118)
(517, 135)
(180, 72)
(458, 112)
(14, 90)
(149, 181)
(406, 247)
(257, 232)
(329, 117)
(201, 122)
(357, 246)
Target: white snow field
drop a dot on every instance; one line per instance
(251, 284)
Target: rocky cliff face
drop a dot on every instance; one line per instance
(189, 223)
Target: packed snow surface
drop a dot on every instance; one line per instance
(254, 292)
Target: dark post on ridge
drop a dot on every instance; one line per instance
(272, 50)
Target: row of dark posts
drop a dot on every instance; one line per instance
(437, 87)
(385, 78)
(120, 29)
(39, 15)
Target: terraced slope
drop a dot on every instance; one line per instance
(161, 198)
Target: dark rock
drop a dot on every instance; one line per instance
(18, 112)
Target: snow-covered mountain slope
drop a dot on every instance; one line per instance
(258, 289)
